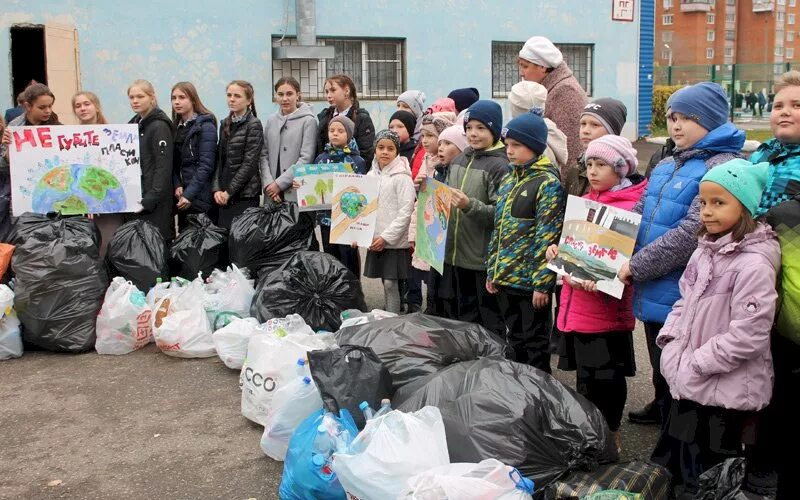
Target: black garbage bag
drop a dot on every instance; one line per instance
(314, 285)
(348, 375)
(263, 239)
(199, 248)
(60, 281)
(138, 253)
(416, 346)
(522, 416)
(723, 481)
(650, 481)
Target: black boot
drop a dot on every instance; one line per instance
(649, 415)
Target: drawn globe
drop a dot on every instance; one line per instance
(78, 189)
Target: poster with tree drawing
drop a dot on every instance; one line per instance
(316, 184)
(75, 169)
(596, 240)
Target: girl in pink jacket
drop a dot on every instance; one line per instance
(597, 338)
(716, 349)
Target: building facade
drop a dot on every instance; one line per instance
(387, 47)
(725, 32)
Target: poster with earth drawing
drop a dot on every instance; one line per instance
(596, 240)
(316, 184)
(354, 209)
(433, 215)
(75, 169)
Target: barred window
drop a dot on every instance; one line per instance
(505, 72)
(377, 66)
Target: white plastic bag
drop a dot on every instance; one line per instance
(231, 341)
(124, 323)
(487, 479)
(10, 335)
(292, 404)
(184, 331)
(228, 296)
(270, 364)
(390, 450)
(292, 324)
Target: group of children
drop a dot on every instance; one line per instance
(716, 232)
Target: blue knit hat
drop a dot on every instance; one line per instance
(705, 103)
(464, 98)
(487, 112)
(529, 129)
(745, 181)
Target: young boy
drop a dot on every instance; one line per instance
(403, 124)
(474, 177)
(670, 211)
(527, 219)
(778, 434)
(600, 117)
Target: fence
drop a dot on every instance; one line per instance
(736, 79)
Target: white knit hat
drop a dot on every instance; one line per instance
(526, 96)
(539, 50)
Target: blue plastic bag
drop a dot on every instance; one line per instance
(307, 472)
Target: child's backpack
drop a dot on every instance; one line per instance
(785, 220)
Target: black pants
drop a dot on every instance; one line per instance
(528, 329)
(347, 255)
(462, 295)
(608, 395)
(414, 284)
(234, 208)
(662, 396)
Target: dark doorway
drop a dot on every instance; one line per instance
(28, 59)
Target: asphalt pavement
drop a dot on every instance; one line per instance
(148, 426)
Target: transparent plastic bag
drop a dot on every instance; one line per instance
(228, 296)
(293, 403)
(124, 323)
(487, 479)
(390, 450)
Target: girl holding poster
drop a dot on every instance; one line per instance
(156, 136)
(237, 182)
(388, 257)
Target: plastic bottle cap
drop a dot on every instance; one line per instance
(363, 406)
(321, 429)
(306, 380)
(301, 362)
(385, 402)
(318, 459)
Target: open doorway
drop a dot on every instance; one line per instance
(28, 57)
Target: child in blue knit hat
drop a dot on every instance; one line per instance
(670, 208)
(527, 220)
(474, 177)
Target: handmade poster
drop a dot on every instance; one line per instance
(75, 169)
(597, 239)
(354, 209)
(433, 215)
(316, 184)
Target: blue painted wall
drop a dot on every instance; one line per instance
(210, 42)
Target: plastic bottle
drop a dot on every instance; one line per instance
(301, 367)
(386, 407)
(365, 408)
(322, 442)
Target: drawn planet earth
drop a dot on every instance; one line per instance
(78, 189)
(353, 204)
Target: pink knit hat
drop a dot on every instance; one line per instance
(616, 151)
(456, 135)
(442, 104)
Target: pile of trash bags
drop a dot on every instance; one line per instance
(60, 281)
(262, 239)
(314, 285)
(138, 253)
(199, 248)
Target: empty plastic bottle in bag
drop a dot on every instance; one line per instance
(367, 410)
(522, 483)
(301, 367)
(386, 407)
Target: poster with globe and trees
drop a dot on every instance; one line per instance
(75, 169)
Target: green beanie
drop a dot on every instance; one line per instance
(742, 179)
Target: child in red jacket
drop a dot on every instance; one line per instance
(598, 329)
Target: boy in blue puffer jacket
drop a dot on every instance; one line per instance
(670, 211)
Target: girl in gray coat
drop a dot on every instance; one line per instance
(290, 137)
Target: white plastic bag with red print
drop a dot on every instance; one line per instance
(182, 328)
(123, 324)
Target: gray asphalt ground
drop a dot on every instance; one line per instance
(148, 426)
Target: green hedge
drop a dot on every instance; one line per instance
(660, 95)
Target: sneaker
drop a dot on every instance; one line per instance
(649, 415)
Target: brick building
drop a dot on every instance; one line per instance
(725, 32)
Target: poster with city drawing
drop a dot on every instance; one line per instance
(354, 209)
(433, 215)
(316, 184)
(75, 169)
(597, 239)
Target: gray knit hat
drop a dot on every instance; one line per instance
(388, 134)
(608, 111)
